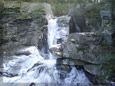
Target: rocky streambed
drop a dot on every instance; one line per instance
(38, 48)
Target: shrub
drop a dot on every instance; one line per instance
(109, 66)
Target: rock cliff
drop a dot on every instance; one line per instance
(22, 27)
(89, 42)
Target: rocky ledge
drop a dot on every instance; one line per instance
(86, 50)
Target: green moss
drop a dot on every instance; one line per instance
(93, 15)
(104, 47)
(40, 24)
(23, 16)
(38, 11)
(6, 11)
(109, 66)
(81, 48)
(1, 1)
(98, 34)
(60, 9)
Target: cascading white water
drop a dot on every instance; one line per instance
(52, 33)
(35, 69)
(52, 25)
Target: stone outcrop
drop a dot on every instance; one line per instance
(77, 23)
(63, 26)
(21, 29)
(88, 40)
(84, 49)
(90, 18)
(83, 44)
(90, 36)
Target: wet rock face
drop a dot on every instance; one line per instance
(77, 24)
(18, 53)
(42, 41)
(84, 49)
(62, 35)
(56, 50)
(113, 39)
(63, 21)
(32, 84)
(63, 25)
(22, 30)
(63, 70)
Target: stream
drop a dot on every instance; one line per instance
(35, 70)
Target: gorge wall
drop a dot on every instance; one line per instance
(89, 42)
(21, 28)
(84, 42)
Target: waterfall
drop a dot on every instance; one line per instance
(52, 34)
(36, 70)
(53, 27)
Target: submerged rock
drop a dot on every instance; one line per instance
(32, 84)
(56, 50)
(18, 53)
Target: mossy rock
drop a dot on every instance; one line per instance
(1, 6)
(104, 47)
(19, 15)
(80, 48)
(109, 67)
(8, 11)
(98, 34)
(14, 38)
(3, 40)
